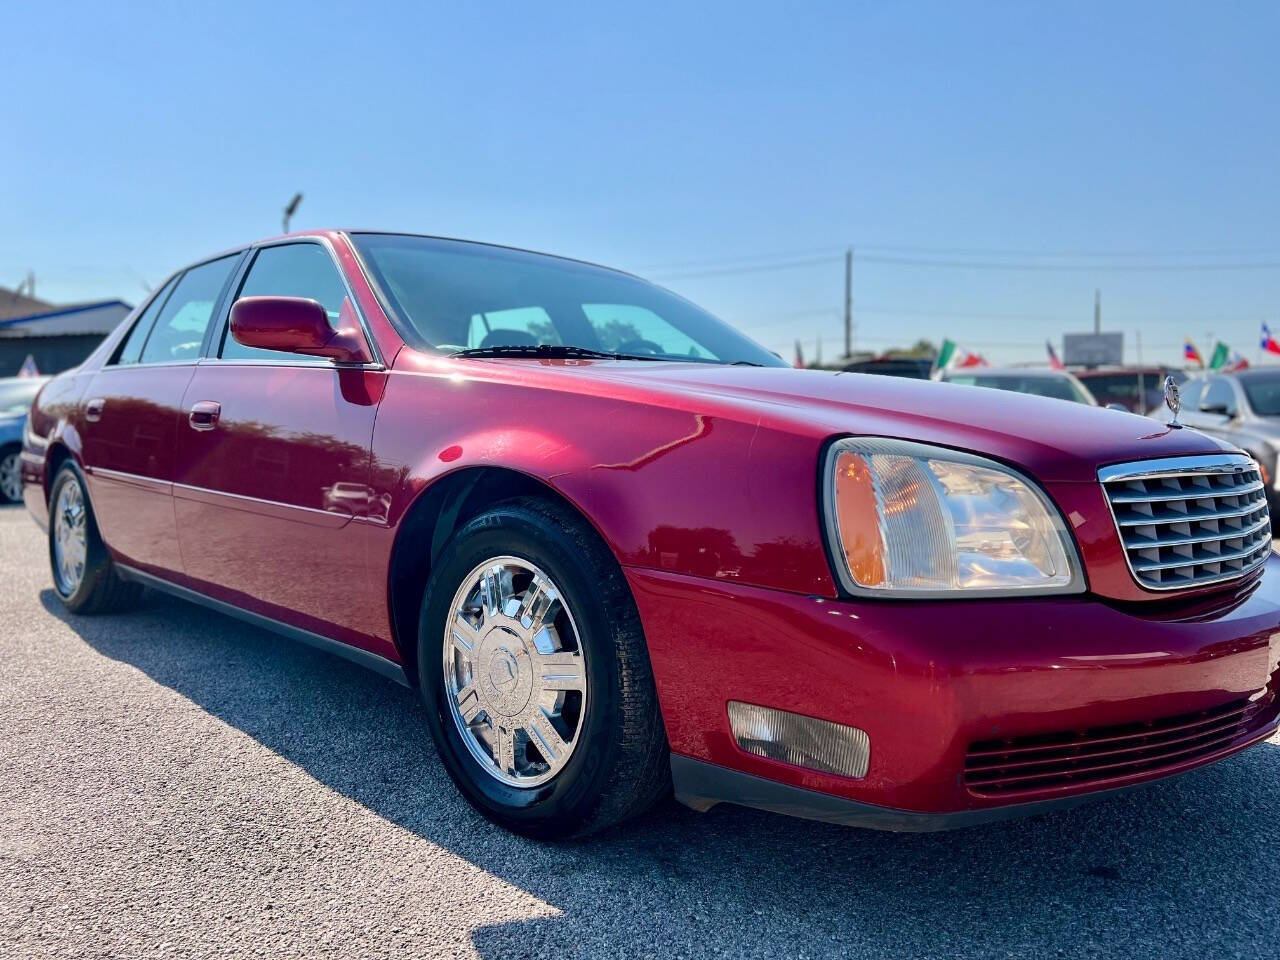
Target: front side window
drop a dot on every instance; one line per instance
(131, 350)
(1219, 398)
(288, 270)
(179, 330)
(455, 295)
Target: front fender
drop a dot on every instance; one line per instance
(702, 494)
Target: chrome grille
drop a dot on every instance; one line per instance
(1190, 521)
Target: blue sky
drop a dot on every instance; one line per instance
(679, 140)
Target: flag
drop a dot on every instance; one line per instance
(1220, 354)
(1054, 362)
(799, 364)
(1191, 354)
(950, 355)
(1227, 360)
(1268, 342)
(28, 368)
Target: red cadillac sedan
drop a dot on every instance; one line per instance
(620, 549)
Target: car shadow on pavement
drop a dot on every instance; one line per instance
(1188, 867)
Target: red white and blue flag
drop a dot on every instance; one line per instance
(1268, 342)
(1191, 354)
(1054, 362)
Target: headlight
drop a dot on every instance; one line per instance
(908, 519)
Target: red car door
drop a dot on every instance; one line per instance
(132, 410)
(271, 495)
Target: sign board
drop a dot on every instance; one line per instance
(1092, 349)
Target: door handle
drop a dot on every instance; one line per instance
(204, 415)
(93, 409)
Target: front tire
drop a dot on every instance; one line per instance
(11, 474)
(84, 574)
(533, 666)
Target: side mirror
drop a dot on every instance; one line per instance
(297, 325)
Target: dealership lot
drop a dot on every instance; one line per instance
(175, 783)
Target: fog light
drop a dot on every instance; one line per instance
(800, 740)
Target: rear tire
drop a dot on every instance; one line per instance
(84, 574)
(617, 762)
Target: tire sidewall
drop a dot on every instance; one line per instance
(12, 450)
(572, 794)
(95, 559)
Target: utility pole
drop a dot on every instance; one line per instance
(848, 303)
(1097, 311)
(1142, 377)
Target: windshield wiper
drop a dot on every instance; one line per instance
(546, 351)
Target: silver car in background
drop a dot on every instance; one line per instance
(1057, 384)
(16, 395)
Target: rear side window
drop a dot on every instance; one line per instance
(289, 270)
(131, 350)
(179, 330)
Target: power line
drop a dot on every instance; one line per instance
(976, 265)
(1078, 268)
(757, 268)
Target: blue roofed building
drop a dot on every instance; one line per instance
(56, 338)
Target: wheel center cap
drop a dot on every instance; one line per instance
(505, 674)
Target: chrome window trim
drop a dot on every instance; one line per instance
(327, 244)
(1215, 463)
(134, 367)
(300, 364)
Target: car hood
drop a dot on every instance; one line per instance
(1054, 440)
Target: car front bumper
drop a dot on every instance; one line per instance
(929, 682)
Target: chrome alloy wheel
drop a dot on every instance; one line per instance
(70, 538)
(514, 672)
(11, 477)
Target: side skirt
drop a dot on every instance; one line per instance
(364, 658)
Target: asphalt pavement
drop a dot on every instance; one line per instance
(174, 783)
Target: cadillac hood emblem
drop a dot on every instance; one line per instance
(1172, 399)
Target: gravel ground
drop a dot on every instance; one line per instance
(174, 783)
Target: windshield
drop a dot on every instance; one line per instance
(1263, 391)
(17, 395)
(1057, 388)
(466, 296)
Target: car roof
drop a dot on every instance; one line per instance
(1254, 373)
(1007, 372)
